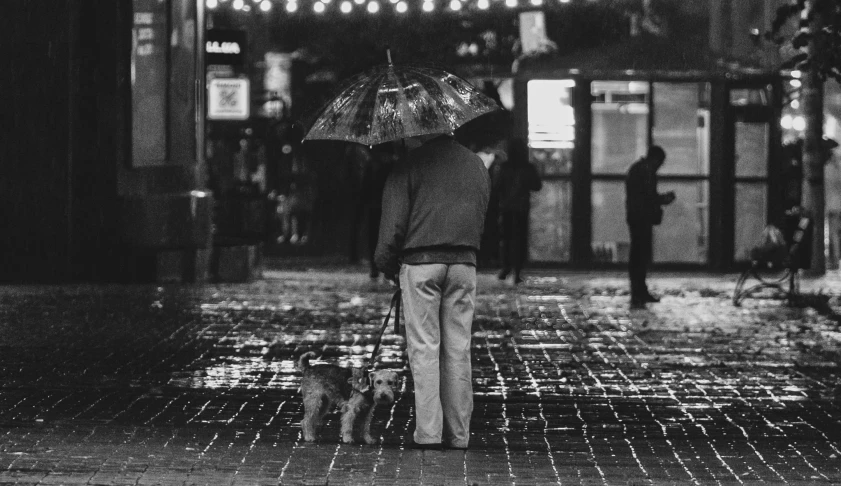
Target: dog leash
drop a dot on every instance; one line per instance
(395, 306)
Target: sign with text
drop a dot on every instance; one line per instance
(532, 31)
(149, 82)
(228, 99)
(225, 47)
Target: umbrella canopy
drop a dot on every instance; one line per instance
(391, 102)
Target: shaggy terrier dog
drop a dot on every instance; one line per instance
(327, 386)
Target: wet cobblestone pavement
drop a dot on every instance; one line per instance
(197, 385)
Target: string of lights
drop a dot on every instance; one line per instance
(372, 6)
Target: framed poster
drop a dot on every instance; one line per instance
(228, 99)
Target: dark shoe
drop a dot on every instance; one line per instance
(638, 304)
(435, 446)
(518, 280)
(503, 275)
(651, 298)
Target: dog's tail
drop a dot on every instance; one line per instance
(304, 360)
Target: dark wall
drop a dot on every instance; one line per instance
(63, 102)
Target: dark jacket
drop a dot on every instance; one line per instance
(434, 200)
(514, 183)
(643, 204)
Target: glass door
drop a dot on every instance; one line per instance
(551, 129)
(681, 125)
(629, 116)
(620, 135)
(752, 134)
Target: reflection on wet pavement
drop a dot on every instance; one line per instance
(132, 383)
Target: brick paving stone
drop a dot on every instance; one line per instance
(196, 385)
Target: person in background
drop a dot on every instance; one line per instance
(301, 203)
(493, 157)
(434, 206)
(516, 180)
(643, 210)
(257, 167)
(357, 157)
(373, 184)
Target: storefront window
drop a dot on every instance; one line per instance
(611, 241)
(163, 87)
(148, 82)
(748, 97)
(550, 224)
(751, 158)
(751, 149)
(626, 115)
(620, 124)
(681, 125)
(551, 125)
(682, 237)
(752, 133)
(751, 201)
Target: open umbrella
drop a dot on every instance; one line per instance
(390, 102)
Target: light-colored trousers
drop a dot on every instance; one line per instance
(438, 303)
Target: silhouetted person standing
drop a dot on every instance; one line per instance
(515, 181)
(644, 210)
(373, 185)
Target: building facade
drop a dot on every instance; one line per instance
(108, 168)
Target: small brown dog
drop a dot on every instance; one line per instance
(326, 386)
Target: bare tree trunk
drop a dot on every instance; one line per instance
(813, 153)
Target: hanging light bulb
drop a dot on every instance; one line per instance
(483, 4)
(510, 3)
(211, 4)
(428, 6)
(455, 5)
(265, 5)
(246, 8)
(346, 7)
(537, 3)
(401, 7)
(318, 7)
(373, 7)
(291, 6)
(238, 4)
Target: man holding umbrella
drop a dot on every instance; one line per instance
(434, 208)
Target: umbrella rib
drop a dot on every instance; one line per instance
(398, 124)
(426, 82)
(363, 116)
